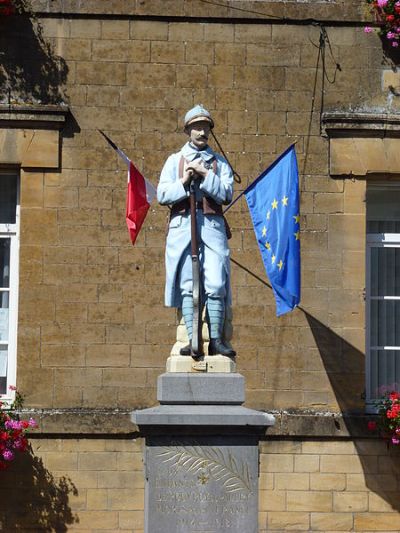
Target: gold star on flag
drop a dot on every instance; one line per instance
(297, 235)
(273, 259)
(285, 200)
(280, 264)
(264, 231)
(274, 204)
(296, 219)
(268, 215)
(267, 246)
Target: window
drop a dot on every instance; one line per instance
(382, 291)
(9, 241)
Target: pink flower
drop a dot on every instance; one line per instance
(9, 456)
(395, 44)
(394, 441)
(368, 29)
(382, 3)
(390, 35)
(32, 423)
(13, 424)
(397, 4)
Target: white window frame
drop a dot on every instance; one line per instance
(11, 231)
(375, 240)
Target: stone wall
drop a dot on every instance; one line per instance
(93, 331)
(91, 485)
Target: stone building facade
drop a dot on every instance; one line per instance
(93, 334)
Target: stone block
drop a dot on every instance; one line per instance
(220, 33)
(33, 148)
(331, 521)
(266, 55)
(215, 363)
(200, 389)
(292, 481)
(199, 53)
(328, 482)
(230, 54)
(149, 30)
(282, 521)
(101, 73)
(362, 156)
(85, 28)
(251, 33)
(106, 355)
(115, 29)
(170, 52)
(354, 502)
(309, 501)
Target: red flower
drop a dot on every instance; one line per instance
(371, 425)
(390, 18)
(394, 395)
(3, 435)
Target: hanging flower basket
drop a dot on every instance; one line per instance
(388, 424)
(387, 14)
(13, 431)
(7, 8)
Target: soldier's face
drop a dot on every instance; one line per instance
(199, 133)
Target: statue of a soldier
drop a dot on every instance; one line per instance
(197, 168)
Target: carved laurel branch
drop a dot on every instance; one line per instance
(224, 469)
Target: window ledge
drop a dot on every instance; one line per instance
(33, 115)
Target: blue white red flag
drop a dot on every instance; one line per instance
(139, 195)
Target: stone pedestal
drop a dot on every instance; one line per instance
(201, 456)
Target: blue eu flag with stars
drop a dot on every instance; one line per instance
(273, 200)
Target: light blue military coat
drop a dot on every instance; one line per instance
(211, 228)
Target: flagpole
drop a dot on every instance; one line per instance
(259, 177)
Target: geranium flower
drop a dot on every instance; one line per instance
(8, 455)
(382, 3)
(395, 440)
(395, 44)
(368, 29)
(390, 35)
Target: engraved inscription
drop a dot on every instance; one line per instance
(198, 486)
(233, 475)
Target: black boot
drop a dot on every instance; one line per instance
(217, 347)
(186, 350)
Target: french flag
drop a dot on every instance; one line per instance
(139, 195)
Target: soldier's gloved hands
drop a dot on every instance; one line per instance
(187, 175)
(198, 167)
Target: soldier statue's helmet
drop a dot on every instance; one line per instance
(196, 114)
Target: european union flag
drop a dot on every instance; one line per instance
(273, 200)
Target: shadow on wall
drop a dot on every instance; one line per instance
(30, 72)
(345, 367)
(33, 499)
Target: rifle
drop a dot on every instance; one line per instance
(197, 349)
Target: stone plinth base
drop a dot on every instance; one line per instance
(201, 455)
